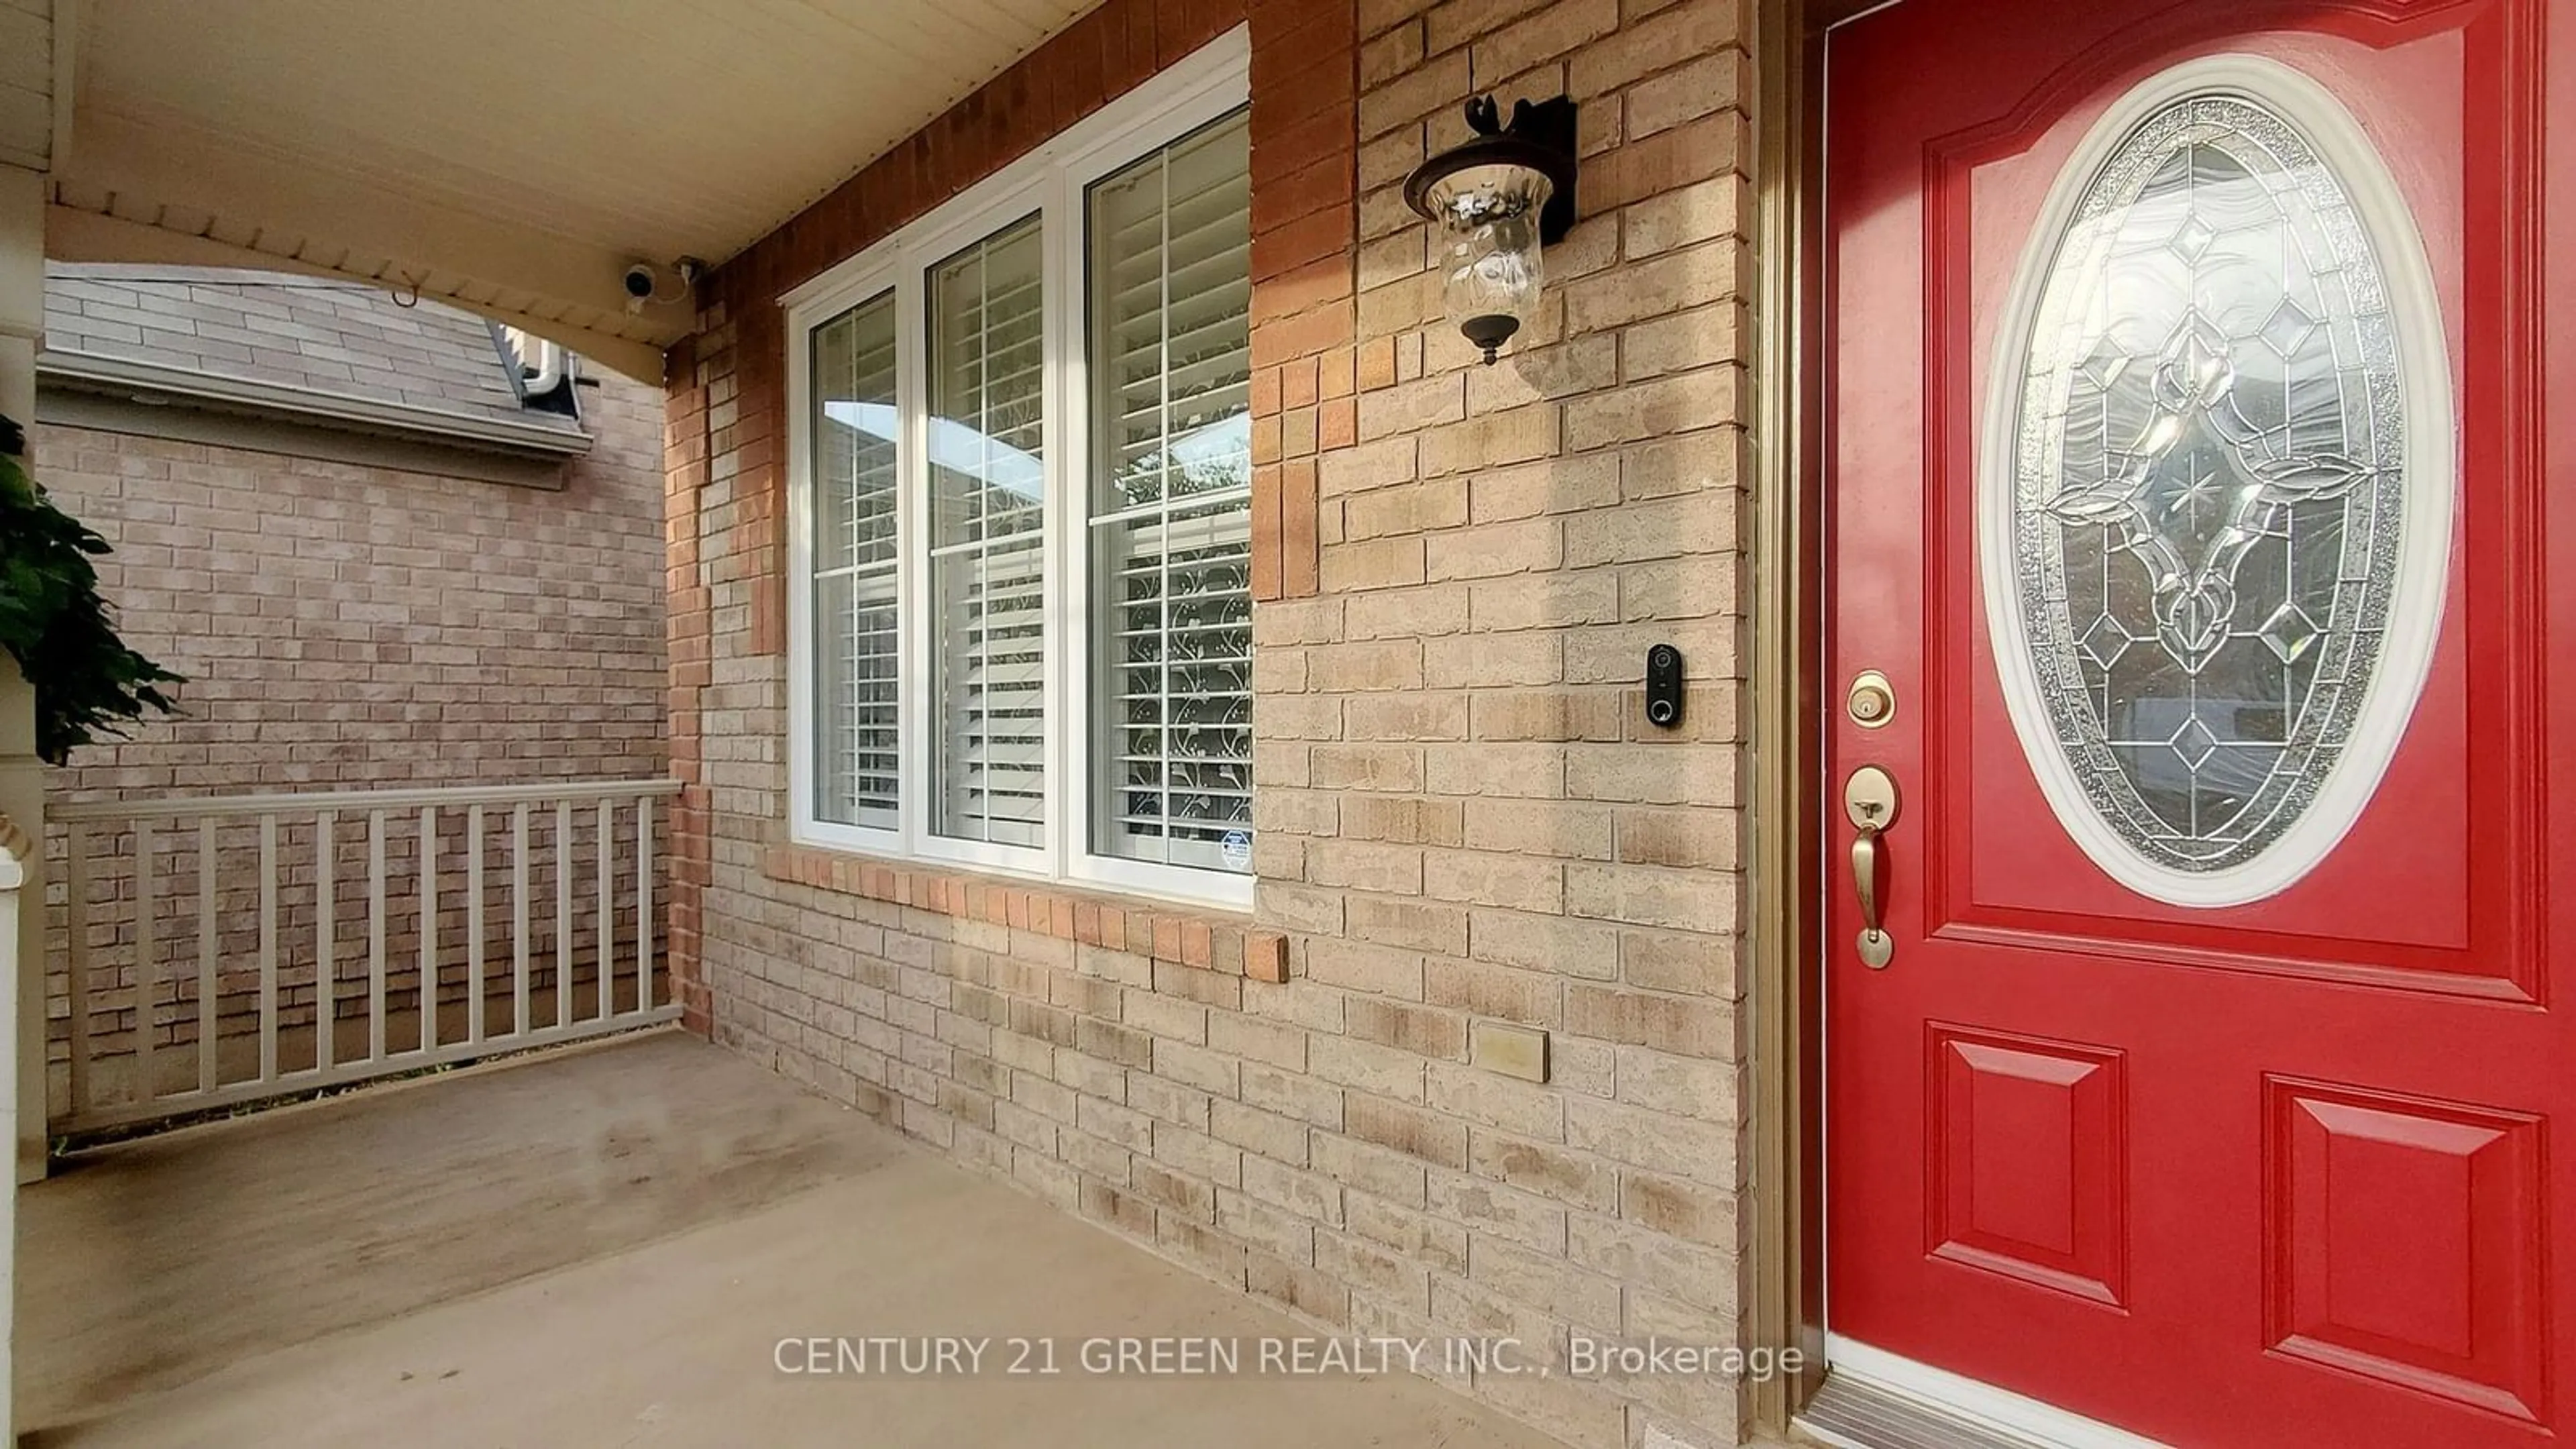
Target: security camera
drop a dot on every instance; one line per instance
(642, 281)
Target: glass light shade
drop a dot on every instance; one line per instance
(1490, 238)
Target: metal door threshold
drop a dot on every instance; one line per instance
(1851, 1413)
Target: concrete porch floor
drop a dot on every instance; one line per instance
(604, 1246)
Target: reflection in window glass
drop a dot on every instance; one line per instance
(987, 557)
(854, 600)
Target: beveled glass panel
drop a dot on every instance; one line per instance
(2209, 479)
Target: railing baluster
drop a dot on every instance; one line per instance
(109, 967)
(147, 967)
(326, 966)
(76, 984)
(206, 953)
(428, 927)
(474, 932)
(605, 977)
(643, 903)
(563, 914)
(268, 948)
(375, 935)
(519, 919)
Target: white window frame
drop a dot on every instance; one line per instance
(1053, 182)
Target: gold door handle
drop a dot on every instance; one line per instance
(1865, 876)
(1869, 798)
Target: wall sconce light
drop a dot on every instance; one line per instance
(1499, 197)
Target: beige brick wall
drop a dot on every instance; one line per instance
(343, 625)
(1462, 811)
(1462, 815)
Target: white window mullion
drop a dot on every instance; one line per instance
(1067, 655)
(910, 390)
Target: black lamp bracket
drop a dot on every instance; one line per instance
(1540, 135)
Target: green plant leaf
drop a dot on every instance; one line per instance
(52, 620)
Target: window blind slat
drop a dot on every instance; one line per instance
(1170, 333)
(856, 633)
(987, 566)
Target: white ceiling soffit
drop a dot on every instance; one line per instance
(511, 156)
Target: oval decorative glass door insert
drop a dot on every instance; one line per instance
(2218, 483)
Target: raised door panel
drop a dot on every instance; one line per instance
(2407, 1242)
(2026, 1160)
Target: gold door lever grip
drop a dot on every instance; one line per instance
(1876, 946)
(1865, 876)
(1870, 799)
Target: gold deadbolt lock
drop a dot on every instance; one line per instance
(1872, 701)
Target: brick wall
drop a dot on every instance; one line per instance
(344, 626)
(1463, 813)
(1463, 817)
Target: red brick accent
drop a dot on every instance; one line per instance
(1305, 223)
(1205, 941)
(1265, 956)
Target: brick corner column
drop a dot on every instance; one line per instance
(690, 611)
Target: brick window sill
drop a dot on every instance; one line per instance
(1203, 939)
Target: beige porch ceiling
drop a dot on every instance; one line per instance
(511, 156)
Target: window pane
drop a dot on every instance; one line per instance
(853, 428)
(1171, 622)
(987, 560)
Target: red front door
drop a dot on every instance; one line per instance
(2203, 410)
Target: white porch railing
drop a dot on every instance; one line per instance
(15, 851)
(218, 950)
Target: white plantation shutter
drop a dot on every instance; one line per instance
(1171, 616)
(987, 373)
(854, 601)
